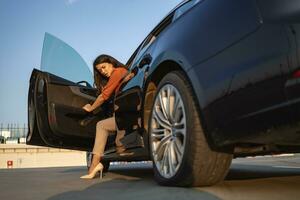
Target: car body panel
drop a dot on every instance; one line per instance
(255, 100)
(248, 59)
(293, 84)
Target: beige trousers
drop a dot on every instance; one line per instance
(105, 128)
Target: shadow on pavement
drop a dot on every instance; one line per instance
(236, 172)
(246, 172)
(242, 182)
(125, 189)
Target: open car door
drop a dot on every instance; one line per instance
(56, 96)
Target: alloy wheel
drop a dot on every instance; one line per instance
(168, 131)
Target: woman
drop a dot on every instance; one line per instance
(108, 75)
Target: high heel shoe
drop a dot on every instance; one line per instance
(98, 167)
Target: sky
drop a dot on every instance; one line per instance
(91, 27)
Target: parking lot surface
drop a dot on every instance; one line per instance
(249, 178)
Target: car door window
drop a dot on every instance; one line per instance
(185, 7)
(133, 56)
(158, 30)
(62, 60)
(152, 37)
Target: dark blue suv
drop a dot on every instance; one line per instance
(215, 79)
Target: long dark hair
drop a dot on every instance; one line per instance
(100, 80)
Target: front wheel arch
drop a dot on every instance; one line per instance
(151, 86)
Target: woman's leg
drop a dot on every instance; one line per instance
(103, 129)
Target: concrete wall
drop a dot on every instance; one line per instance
(26, 156)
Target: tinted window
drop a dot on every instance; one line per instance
(60, 59)
(154, 34)
(158, 29)
(185, 7)
(132, 57)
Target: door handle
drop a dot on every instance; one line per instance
(146, 60)
(86, 83)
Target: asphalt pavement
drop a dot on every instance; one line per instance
(252, 178)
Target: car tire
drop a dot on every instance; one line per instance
(196, 164)
(105, 163)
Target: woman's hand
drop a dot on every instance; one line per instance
(128, 77)
(88, 108)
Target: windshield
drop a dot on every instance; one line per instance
(62, 60)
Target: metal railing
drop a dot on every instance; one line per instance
(13, 133)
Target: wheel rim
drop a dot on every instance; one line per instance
(168, 131)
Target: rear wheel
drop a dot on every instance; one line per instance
(179, 150)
